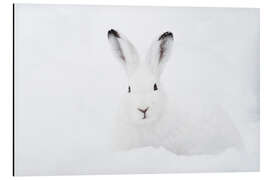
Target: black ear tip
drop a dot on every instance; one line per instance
(166, 35)
(113, 32)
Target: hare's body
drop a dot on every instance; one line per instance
(147, 118)
(204, 133)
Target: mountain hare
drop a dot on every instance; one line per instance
(145, 118)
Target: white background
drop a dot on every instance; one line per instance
(6, 110)
(68, 85)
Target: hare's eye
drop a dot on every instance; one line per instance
(129, 90)
(155, 87)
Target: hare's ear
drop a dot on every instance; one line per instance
(159, 52)
(124, 51)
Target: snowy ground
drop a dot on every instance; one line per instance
(68, 85)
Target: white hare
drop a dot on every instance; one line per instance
(145, 117)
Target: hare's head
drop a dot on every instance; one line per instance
(145, 100)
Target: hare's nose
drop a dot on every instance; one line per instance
(143, 110)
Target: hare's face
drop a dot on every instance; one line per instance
(145, 100)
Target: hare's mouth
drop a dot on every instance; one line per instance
(144, 112)
(144, 116)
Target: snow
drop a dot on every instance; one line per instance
(68, 85)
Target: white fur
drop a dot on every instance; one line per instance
(173, 128)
